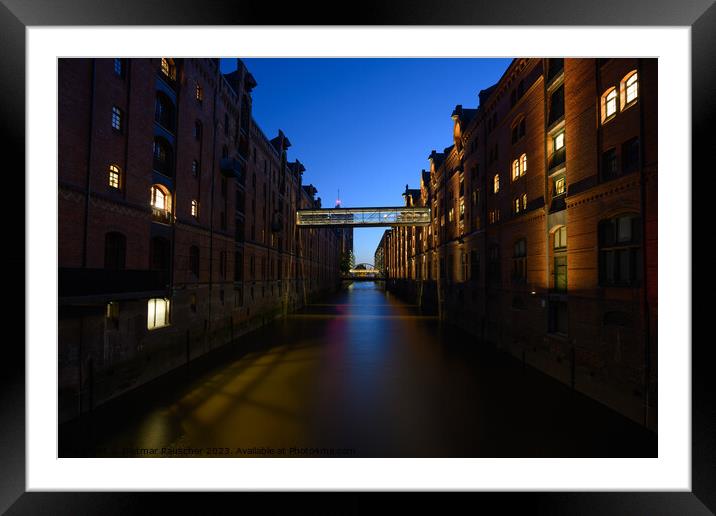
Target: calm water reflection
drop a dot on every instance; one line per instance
(360, 374)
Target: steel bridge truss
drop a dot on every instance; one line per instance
(364, 217)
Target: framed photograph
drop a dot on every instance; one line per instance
(477, 308)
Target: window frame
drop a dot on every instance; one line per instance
(152, 302)
(116, 121)
(519, 261)
(624, 86)
(631, 249)
(606, 99)
(114, 170)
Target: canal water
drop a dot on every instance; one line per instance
(360, 374)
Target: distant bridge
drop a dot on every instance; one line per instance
(364, 217)
(363, 271)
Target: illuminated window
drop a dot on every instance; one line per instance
(168, 68)
(199, 92)
(609, 104)
(523, 164)
(560, 238)
(516, 205)
(462, 210)
(116, 118)
(114, 176)
(559, 141)
(524, 202)
(157, 313)
(451, 214)
(194, 208)
(496, 183)
(559, 186)
(160, 198)
(629, 89)
(112, 315)
(515, 169)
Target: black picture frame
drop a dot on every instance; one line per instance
(17, 15)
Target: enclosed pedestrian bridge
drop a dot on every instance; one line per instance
(364, 217)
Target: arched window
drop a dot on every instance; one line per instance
(163, 157)
(114, 177)
(164, 111)
(195, 171)
(160, 198)
(115, 250)
(519, 261)
(523, 164)
(620, 251)
(169, 68)
(496, 183)
(629, 89)
(194, 208)
(515, 169)
(609, 104)
(194, 260)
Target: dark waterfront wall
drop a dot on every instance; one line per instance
(177, 222)
(555, 262)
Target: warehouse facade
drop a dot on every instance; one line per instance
(543, 234)
(176, 222)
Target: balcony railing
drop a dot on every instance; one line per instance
(95, 282)
(162, 216)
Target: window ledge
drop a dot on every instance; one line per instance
(609, 118)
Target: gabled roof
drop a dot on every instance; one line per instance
(484, 94)
(463, 114)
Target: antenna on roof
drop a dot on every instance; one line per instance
(338, 199)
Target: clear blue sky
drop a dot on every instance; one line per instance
(365, 126)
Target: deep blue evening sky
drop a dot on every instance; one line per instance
(365, 126)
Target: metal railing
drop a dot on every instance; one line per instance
(388, 216)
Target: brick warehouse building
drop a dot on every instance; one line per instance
(543, 234)
(177, 222)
